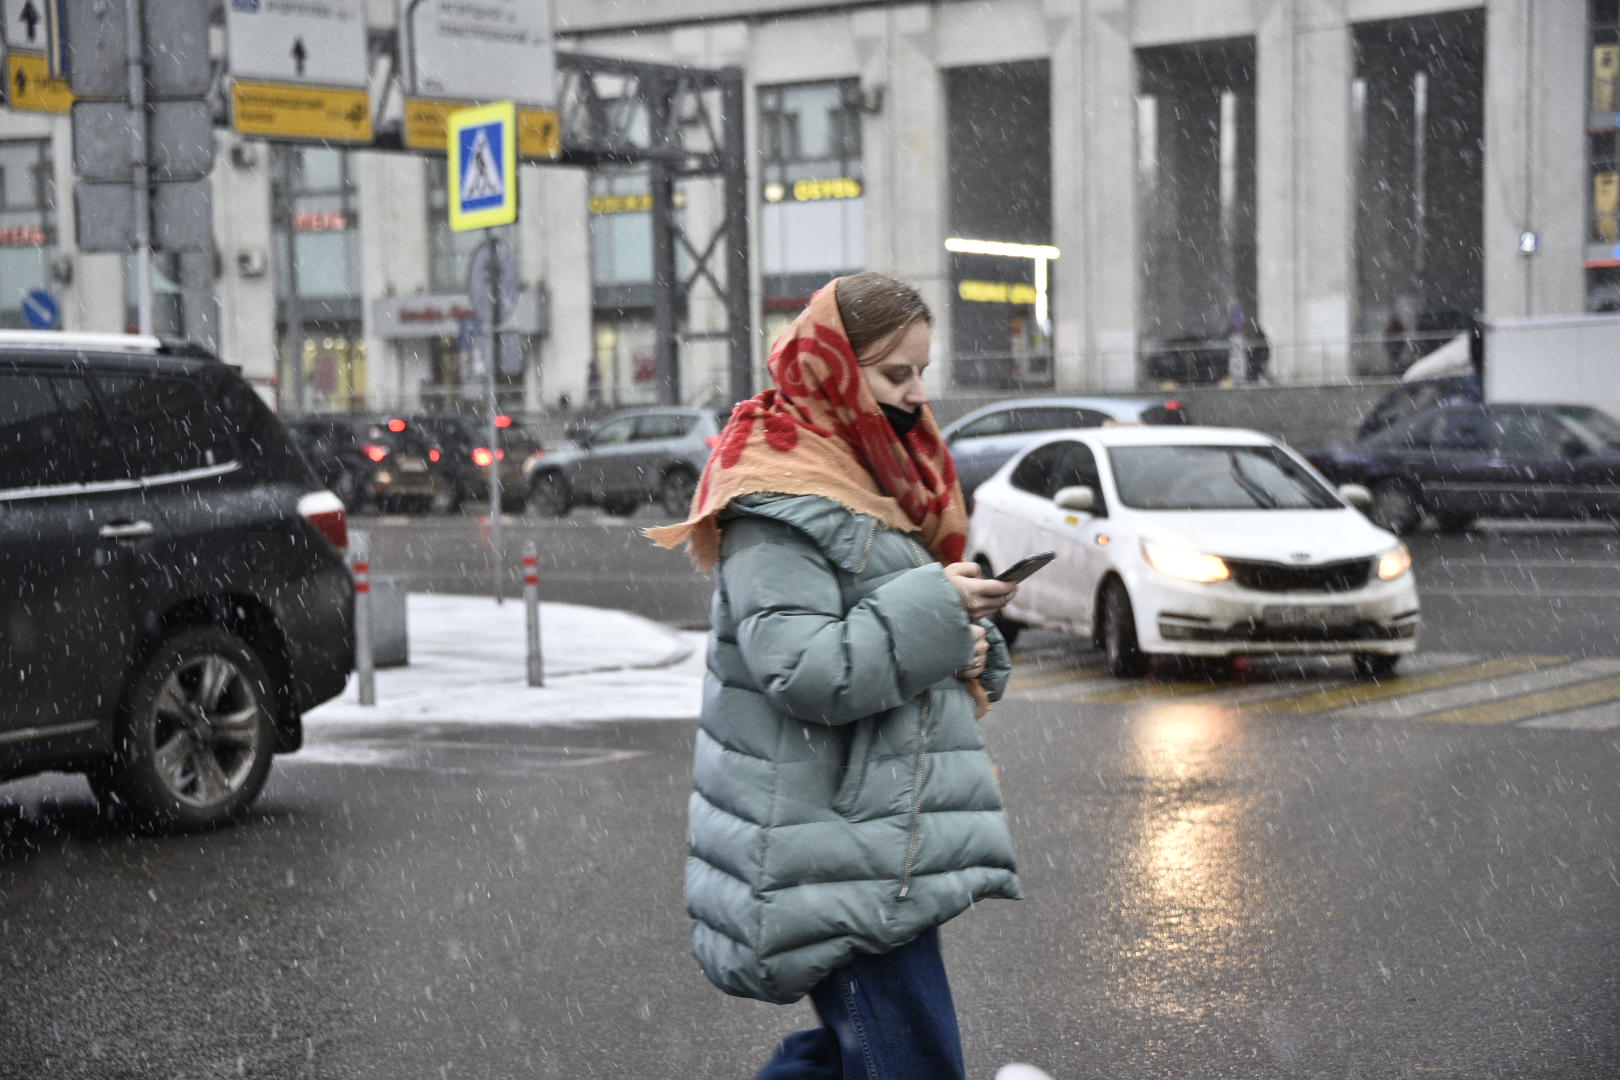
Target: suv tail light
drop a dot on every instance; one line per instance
(374, 451)
(324, 510)
(483, 458)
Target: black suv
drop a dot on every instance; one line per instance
(463, 457)
(173, 590)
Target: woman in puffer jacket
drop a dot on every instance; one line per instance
(844, 805)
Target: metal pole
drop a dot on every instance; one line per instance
(739, 300)
(360, 554)
(666, 282)
(531, 606)
(134, 56)
(492, 337)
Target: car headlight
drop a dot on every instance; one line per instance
(1184, 563)
(1394, 562)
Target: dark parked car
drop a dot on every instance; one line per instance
(369, 466)
(464, 457)
(173, 591)
(1457, 463)
(1412, 397)
(986, 437)
(628, 459)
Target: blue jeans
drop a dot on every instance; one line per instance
(886, 1017)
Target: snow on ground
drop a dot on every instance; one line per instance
(467, 665)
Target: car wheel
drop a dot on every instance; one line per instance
(195, 737)
(550, 495)
(675, 492)
(1121, 652)
(1374, 665)
(1010, 628)
(1453, 523)
(1394, 507)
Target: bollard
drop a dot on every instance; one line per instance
(531, 605)
(360, 554)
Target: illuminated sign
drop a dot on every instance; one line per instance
(321, 221)
(629, 204)
(839, 187)
(997, 292)
(23, 236)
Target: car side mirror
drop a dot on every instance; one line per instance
(1080, 498)
(1573, 448)
(1357, 496)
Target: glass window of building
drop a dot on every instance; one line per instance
(27, 224)
(998, 133)
(317, 248)
(1603, 160)
(813, 216)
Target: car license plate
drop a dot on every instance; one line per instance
(1297, 615)
(414, 465)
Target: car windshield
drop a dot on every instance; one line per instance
(1215, 478)
(1600, 427)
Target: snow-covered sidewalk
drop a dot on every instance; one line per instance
(467, 664)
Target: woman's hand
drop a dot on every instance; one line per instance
(981, 654)
(981, 596)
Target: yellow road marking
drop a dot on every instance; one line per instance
(1529, 705)
(1361, 693)
(1057, 677)
(1143, 692)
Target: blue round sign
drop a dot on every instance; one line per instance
(39, 308)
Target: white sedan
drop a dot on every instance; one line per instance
(1197, 541)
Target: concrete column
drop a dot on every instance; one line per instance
(1535, 156)
(560, 234)
(247, 277)
(905, 167)
(1304, 183)
(1094, 216)
(393, 259)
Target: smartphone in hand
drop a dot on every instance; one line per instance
(1026, 566)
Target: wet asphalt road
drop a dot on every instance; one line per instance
(1214, 891)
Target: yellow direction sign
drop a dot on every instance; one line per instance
(427, 127)
(483, 166)
(285, 111)
(29, 85)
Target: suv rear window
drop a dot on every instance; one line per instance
(157, 426)
(34, 449)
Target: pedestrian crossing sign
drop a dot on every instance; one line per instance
(483, 166)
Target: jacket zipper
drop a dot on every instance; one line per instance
(871, 535)
(916, 796)
(918, 556)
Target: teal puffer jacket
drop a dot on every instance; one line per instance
(843, 800)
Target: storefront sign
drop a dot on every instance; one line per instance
(315, 221)
(443, 315)
(996, 292)
(839, 187)
(630, 204)
(23, 236)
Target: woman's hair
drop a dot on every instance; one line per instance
(874, 306)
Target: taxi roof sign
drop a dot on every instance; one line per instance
(483, 166)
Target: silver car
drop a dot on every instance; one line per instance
(986, 437)
(626, 460)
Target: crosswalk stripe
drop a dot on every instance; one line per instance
(1130, 694)
(1418, 705)
(1601, 717)
(1362, 692)
(1531, 705)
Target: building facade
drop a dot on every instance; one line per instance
(1090, 193)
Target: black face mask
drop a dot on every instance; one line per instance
(899, 419)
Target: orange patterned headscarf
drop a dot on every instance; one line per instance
(820, 432)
